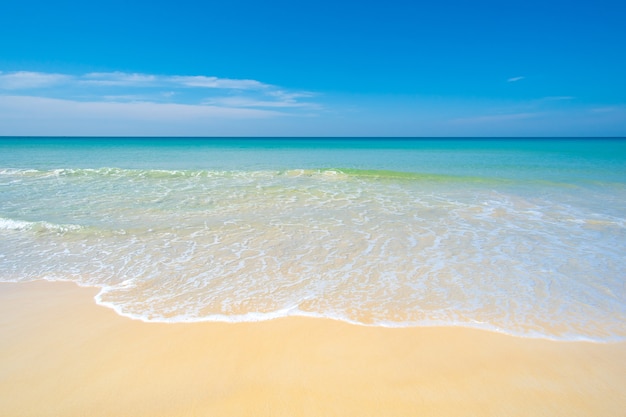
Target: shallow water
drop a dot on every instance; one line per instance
(524, 237)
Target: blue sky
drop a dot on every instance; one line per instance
(323, 68)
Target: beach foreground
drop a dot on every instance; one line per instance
(63, 355)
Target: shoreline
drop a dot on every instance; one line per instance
(277, 315)
(63, 354)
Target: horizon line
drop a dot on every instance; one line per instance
(300, 137)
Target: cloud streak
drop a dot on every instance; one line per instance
(28, 115)
(244, 102)
(30, 79)
(117, 79)
(214, 82)
(121, 103)
(175, 89)
(514, 79)
(26, 80)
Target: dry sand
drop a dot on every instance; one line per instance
(62, 355)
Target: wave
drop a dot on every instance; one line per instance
(121, 309)
(339, 173)
(319, 173)
(39, 226)
(370, 247)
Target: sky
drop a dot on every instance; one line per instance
(304, 68)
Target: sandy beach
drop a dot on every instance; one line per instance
(63, 355)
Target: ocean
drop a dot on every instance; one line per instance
(521, 236)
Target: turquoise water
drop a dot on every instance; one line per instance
(524, 237)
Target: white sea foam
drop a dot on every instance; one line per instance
(10, 224)
(364, 248)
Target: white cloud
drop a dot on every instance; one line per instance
(26, 115)
(20, 80)
(121, 103)
(148, 80)
(214, 82)
(118, 79)
(514, 79)
(47, 108)
(125, 98)
(29, 80)
(236, 101)
(290, 96)
(127, 87)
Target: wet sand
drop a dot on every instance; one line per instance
(63, 355)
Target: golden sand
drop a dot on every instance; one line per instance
(62, 355)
